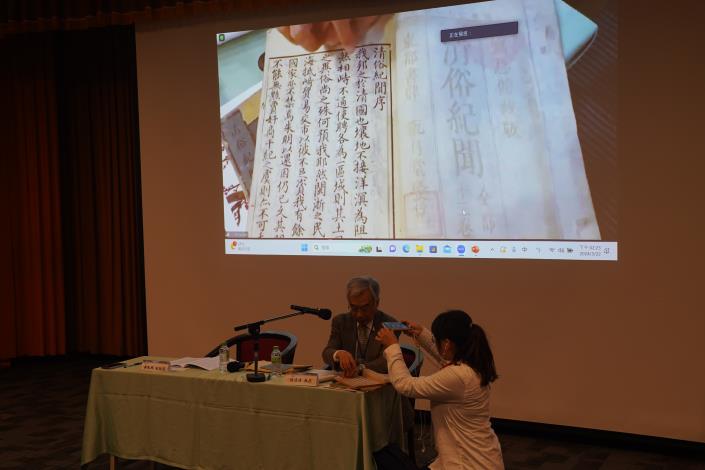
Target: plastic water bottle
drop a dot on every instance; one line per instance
(223, 357)
(276, 360)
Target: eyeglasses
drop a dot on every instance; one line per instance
(361, 308)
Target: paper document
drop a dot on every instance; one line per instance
(323, 375)
(266, 366)
(206, 363)
(368, 378)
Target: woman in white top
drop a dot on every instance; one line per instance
(459, 392)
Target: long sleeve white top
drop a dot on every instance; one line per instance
(460, 409)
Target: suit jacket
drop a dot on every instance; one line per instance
(343, 335)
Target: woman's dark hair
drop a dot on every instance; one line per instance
(471, 345)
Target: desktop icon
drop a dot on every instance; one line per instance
(433, 249)
(378, 249)
(304, 247)
(475, 249)
(365, 249)
(447, 249)
(406, 248)
(419, 248)
(233, 244)
(392, 248)
(461, 249)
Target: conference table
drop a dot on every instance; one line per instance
(199, 419)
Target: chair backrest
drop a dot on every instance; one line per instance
(413, 357)
(245, 346)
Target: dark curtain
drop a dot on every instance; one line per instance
(32, 317)
(74, 280)
(101, 201)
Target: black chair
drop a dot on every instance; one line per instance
(413, 358)
(245, 351)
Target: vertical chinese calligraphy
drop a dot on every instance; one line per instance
(477, 158)
(418, 182)
(323, 126)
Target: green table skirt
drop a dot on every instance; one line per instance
(209, 420)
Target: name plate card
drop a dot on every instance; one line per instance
(309, 380)
(155, 366)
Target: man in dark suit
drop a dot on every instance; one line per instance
(352, 338)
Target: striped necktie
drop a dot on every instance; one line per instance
(363, 335)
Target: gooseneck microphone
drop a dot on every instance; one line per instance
(254, 330)
(323, 313)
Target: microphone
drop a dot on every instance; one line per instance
(323, 313)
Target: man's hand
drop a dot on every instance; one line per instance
(386, 337)
(332, 34)
(414, 329)
(347, 363)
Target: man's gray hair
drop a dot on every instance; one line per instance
(361, 284)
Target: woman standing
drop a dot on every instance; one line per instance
(459, 392)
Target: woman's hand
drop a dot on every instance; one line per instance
(414, 329)
(386, 337)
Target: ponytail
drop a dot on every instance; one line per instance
(471, 345)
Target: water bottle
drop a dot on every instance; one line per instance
(223, 357)
(276, 360)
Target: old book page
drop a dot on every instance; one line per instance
(485, 138)
(323, 156)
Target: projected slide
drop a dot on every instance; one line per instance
(426, 130)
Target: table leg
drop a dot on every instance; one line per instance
(113, 463)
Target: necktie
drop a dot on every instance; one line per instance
(362, 336)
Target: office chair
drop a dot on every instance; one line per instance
(244, 346)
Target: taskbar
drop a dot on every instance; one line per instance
(481, 249)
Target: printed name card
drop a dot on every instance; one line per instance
(155, 366)
(310, 380)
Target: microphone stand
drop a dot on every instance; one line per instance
(254, 330)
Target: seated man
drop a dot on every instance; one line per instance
(352, 339)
